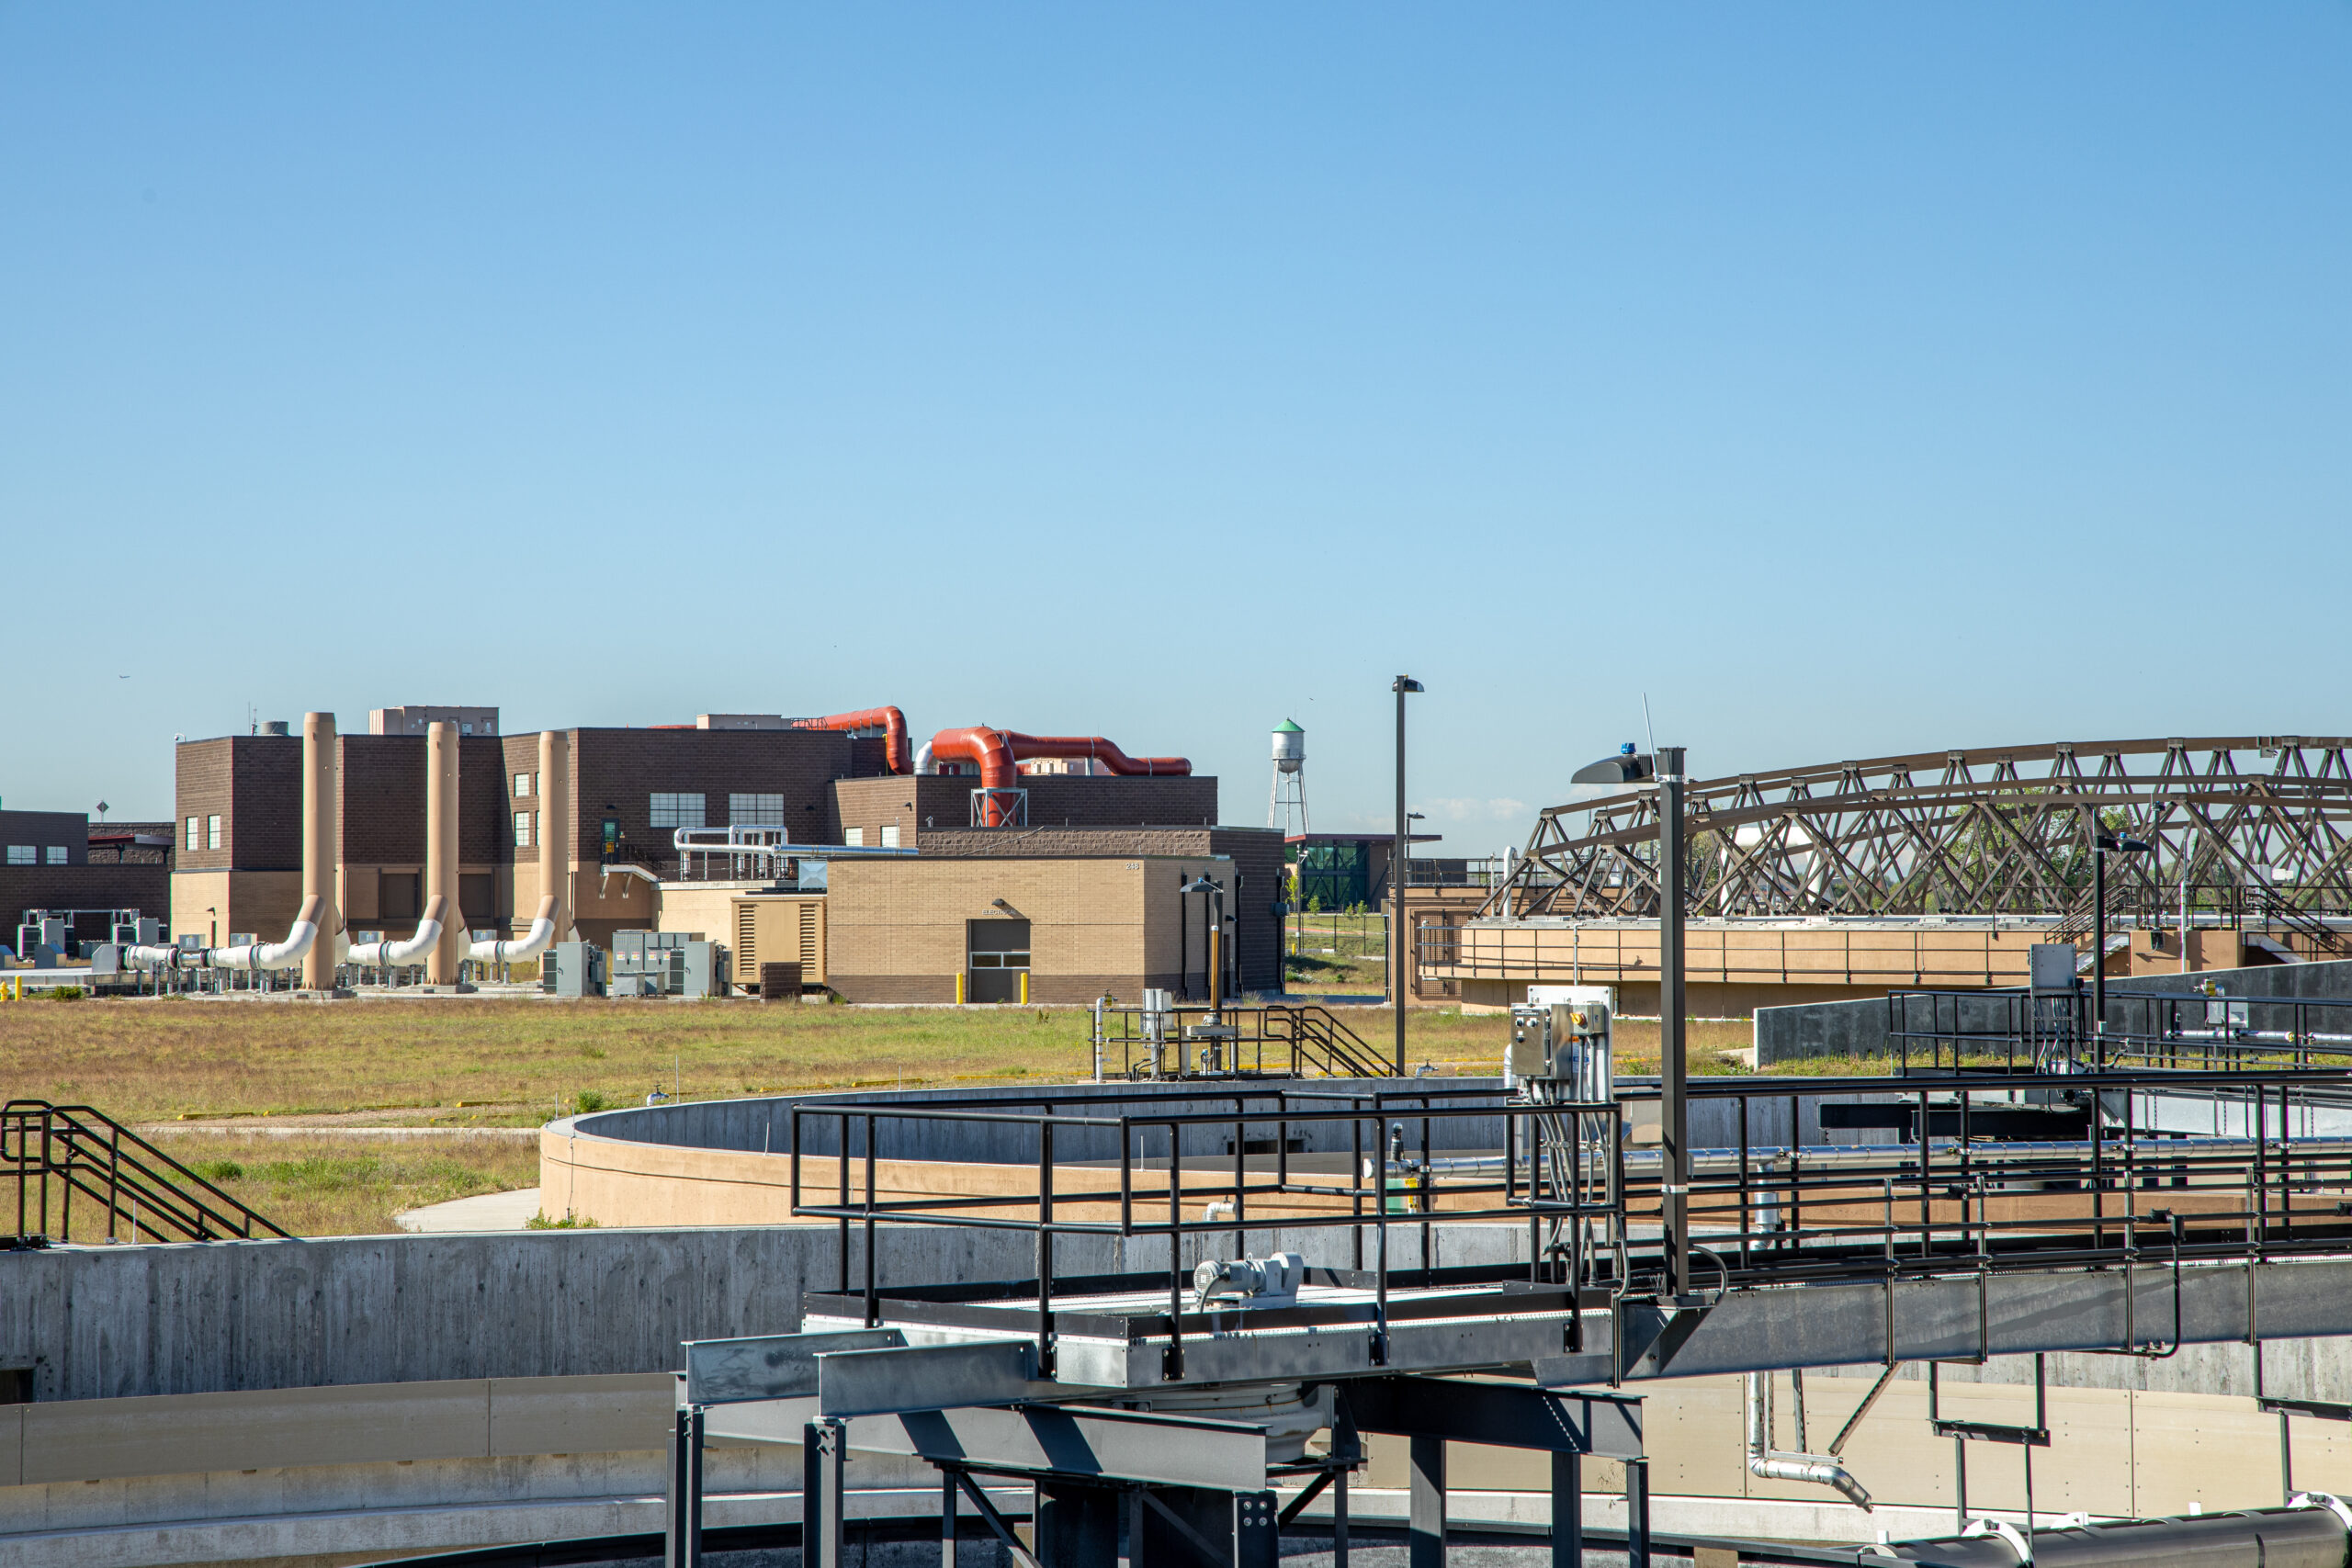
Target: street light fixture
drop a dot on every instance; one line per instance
(1216, 890)
(2104, 843)
(1399, 863)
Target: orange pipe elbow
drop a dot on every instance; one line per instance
(890, 721)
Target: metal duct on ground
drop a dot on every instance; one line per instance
(557, 835)
(529, 945)
(388, 954)
(320, 840)
(889, 721)
(1772, 1464)
(265, 954)
(441, 846)
(2313, 1532)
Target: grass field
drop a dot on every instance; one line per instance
(510, 1063)
(517, 1063)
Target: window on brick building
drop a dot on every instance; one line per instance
(56, 855)
(677, 811)
(191, 832)
(212, 832)
(854, 837)
(755, 810)
(22, 854)
(523, 829)
(890, 835)
(523, 790)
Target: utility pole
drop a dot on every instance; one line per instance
(1400, 864)
(1673, 1056)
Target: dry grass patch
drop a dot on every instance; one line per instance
(328, 1185)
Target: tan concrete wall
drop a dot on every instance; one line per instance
(88, 1440)
(2116, 1452)
(263, 902)
(896, 928)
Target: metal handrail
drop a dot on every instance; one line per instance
(57, 1151)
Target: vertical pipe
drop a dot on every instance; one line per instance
(320, 843)
(441, 850)
(554, 828)
(1672, 1062)
(1399, 867)
(2098, 949)
(1637, 1513)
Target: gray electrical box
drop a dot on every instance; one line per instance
(707, 969)
(572, 969)
(2051, 966)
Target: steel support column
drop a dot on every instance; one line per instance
(1637, 1513)
(1077, 1524)
(682, 1539)
(1673, 1060)
(1425, 1529)
(824, 1455)
(1567, 1509)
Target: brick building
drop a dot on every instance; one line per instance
(239, 802)
(58, 860)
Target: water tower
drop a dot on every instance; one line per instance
(1286, 805)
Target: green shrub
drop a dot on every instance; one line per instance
(218, 1170)
(569, 1223)
(67, 994)
(589, 1100)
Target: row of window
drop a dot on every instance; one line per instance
(743, 811)
(855, 837)
(211, 826)
(36, 854)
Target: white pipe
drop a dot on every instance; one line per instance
(151, 957)
(532, 944)
(923, 764)
(1770, 1463)
(390, 954)
(272, 955)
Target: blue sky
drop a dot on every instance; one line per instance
(1850, 378)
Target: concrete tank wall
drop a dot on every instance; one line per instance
(117, 1321)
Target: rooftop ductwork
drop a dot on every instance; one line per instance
(888, 720)
(1000, 752)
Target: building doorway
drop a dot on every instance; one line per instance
(997, 959)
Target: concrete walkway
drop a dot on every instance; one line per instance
(488, 1211)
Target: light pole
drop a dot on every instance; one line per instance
(1399, 861)
(1673, 1056)
(1216, 890)
(2101, 842)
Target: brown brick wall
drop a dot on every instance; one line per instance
(935, 803)
(617, 771)
(201, 789)
(383, 799)
(146, 888)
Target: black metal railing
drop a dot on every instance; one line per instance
(59, 1153)
(2014, 1030)
(1940, 1174)
(1290, 1040)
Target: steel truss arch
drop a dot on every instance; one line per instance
(2262, 820)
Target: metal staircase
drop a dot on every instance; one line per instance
(56, 1153)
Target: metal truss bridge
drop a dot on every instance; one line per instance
(2251, 824)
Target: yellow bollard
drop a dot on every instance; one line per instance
(1024, 987)
(959, 987)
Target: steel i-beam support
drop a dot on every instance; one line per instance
(1425, 1531)
(681, 1538)
(824, 1455)
(1637, 1513)
(1567, 1509)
